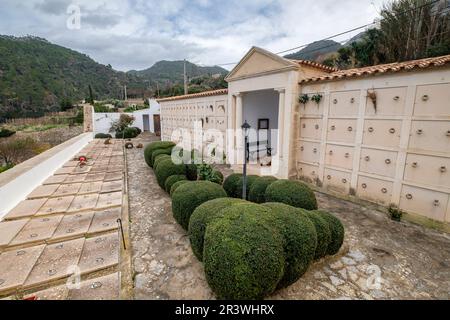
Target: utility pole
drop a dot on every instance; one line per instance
(185, 79)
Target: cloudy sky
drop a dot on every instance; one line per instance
(134, 34)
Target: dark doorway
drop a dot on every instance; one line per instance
(146, 122)
(157, 123)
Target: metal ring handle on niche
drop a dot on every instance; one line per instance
(409, 196)
(329, 177)
(384, 190)
(364, 186)
(371, 129)
(392, 130)
(350, 129)
(344, 181)
(388, 161)
(436, 203)
(367, 158)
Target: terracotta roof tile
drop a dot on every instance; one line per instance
(314, 65)
(383, 68)
(196, 95)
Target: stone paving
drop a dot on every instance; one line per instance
(67, 228)
(380, 259)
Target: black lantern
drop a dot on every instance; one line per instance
(246, 128)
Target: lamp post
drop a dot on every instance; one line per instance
(246, 127)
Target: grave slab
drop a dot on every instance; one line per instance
(76, 178)
(112, 186)
(83, 169)
(58, 261)
(92, 177)
(44, 191)
(103, 288)
(109, 200)
(64, 171)
(37, 230)
(9, 229)
(91, 187)
(105, 220)
(27, 208)
(112, 176)
(56, 179)
(84, 203)
(55, 205)
(73, 226)
(57, 293)
(100, 253)
(16, 265)
(67, 190)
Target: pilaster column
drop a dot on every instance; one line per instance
(281, 122)
(238, 129)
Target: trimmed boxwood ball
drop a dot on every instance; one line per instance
(202, 216)
(257, 192)
(155, 146)
(240, 185)
(293, 193)
(159, 159)
(191, 195)
(243, 255)
(299, 240)
(337, 232)
(323, 233)
(166, 169)
(103, 136)
(176, 185)
(230, 185)
(172, 180)
(158, 152)
(217, 177)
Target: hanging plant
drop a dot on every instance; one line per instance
(303, 99)
(372, 95)
(317, 98)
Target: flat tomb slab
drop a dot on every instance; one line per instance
(92, 177)
(9, 229)
(56, 179)
(109, 200)
(112, 176)
(27, 208)
(63, 171)
(16, 265)
(100, 253)
(76, 178)
(112, 186)
(91, 187)
(44, 191)
(73, 225)
(105, 220)
(58, 261)
(84, 203)
(103, 288)
(37, 230)
(67, 190)
(56, 205)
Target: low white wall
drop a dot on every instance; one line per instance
(40, 168)
(104, 121)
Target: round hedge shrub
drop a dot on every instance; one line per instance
(191, 195)
(240, 185)
(176, 185)
(299, 240)
(158, 152)
(230, 185)
(159, 159)
(155, 146)
(217, 177)
(293, 193)
(127, 133)
(191, 172)
(138, 130)
(243, 256)
(103, 136)
(202, 216)
(166, 169)
(323, 233)
(337, 232)
(172, 180)
(257, 192)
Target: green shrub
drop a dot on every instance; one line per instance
(159, 159)
(127, 133)
(155, 146)
(230, 185)
(5, 133)
(323, 233)
(172, 180)
(103, 136)
(337, 232)
(191, 195)
(158, 152)
(191, 172)
(138, 130)
(257, 192)
(217, 177)
(202, 216)
(243, 256)
(293, 193)
(240, 185)
(166, 169)
(299, 240)
(176, 185)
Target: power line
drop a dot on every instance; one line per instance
(342, 33)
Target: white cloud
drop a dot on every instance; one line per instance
(134, 34)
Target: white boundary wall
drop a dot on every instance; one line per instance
(41, 167)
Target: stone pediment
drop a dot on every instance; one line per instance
(259, 62)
